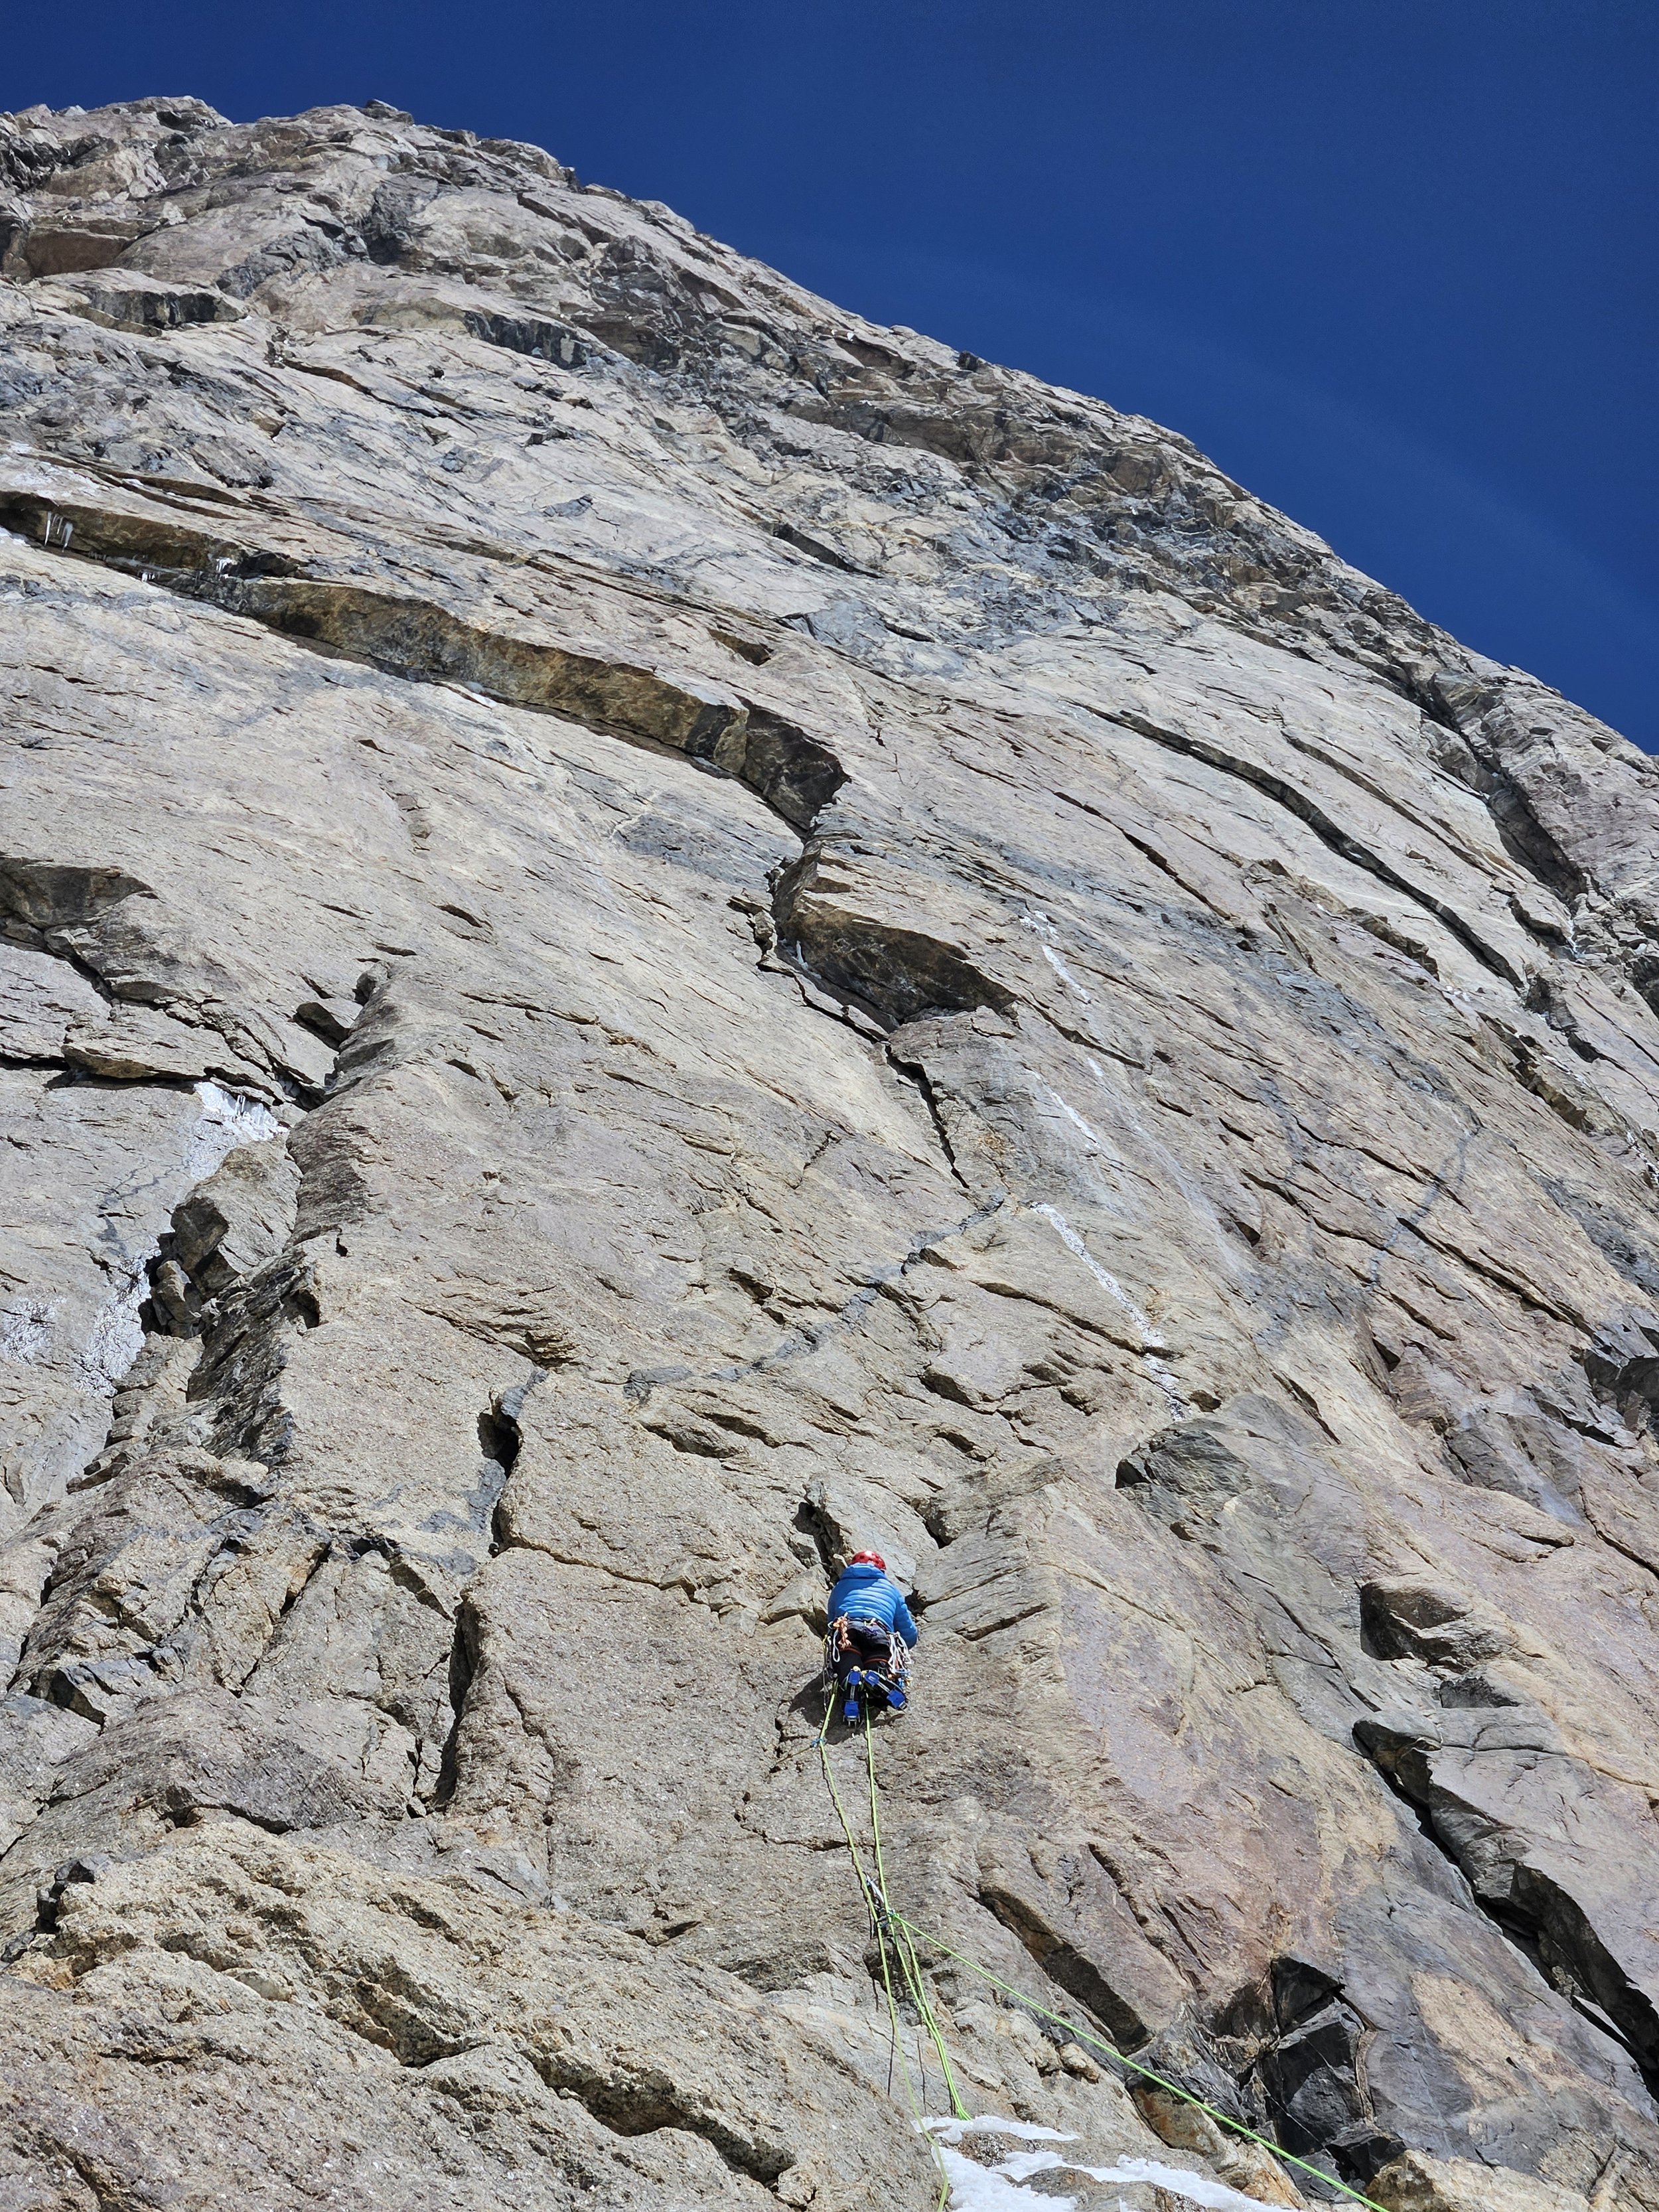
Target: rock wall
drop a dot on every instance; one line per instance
(651, 933)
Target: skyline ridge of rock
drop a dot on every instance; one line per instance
(652, 933)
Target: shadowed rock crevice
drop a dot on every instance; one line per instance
(643, 2104)
(795, 775)
(1548, 1926)
(498, 1438)
(1079, 1977)
(463, 1668)
(1298, 2046)
(422, 641)
(900, 972)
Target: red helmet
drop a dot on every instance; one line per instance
(868, 1560)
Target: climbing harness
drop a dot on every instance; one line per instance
(862, 1686)
(898, 1936)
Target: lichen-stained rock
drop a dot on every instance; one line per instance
(649, 934)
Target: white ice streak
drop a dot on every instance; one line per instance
(1065, 974)
(226, 1121)
(117, 1335)
(1072, 1113)
(1108, 1281)
(1021, 2165)
(115, 1339)
(1039, 924)
(1153, 1342)
(1196, 2188)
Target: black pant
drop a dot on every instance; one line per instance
(866, 1644)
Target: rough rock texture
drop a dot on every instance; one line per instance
(649, 931)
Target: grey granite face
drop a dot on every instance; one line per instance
(650, 934)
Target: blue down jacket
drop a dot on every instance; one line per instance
(866, 1594)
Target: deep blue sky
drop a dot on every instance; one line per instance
(1393, 263)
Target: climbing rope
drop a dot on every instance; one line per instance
(894, 1927)
(882, 1922)
(1084, 2035)
(909, 1965)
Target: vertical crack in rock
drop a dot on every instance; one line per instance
(501, 1439)
(462, 1667)
(914, 1074)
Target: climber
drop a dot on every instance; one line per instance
(870, 1631)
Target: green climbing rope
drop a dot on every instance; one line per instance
(881, 1922)
(910, 1963)
(1084, 2035)
(894, 1927)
